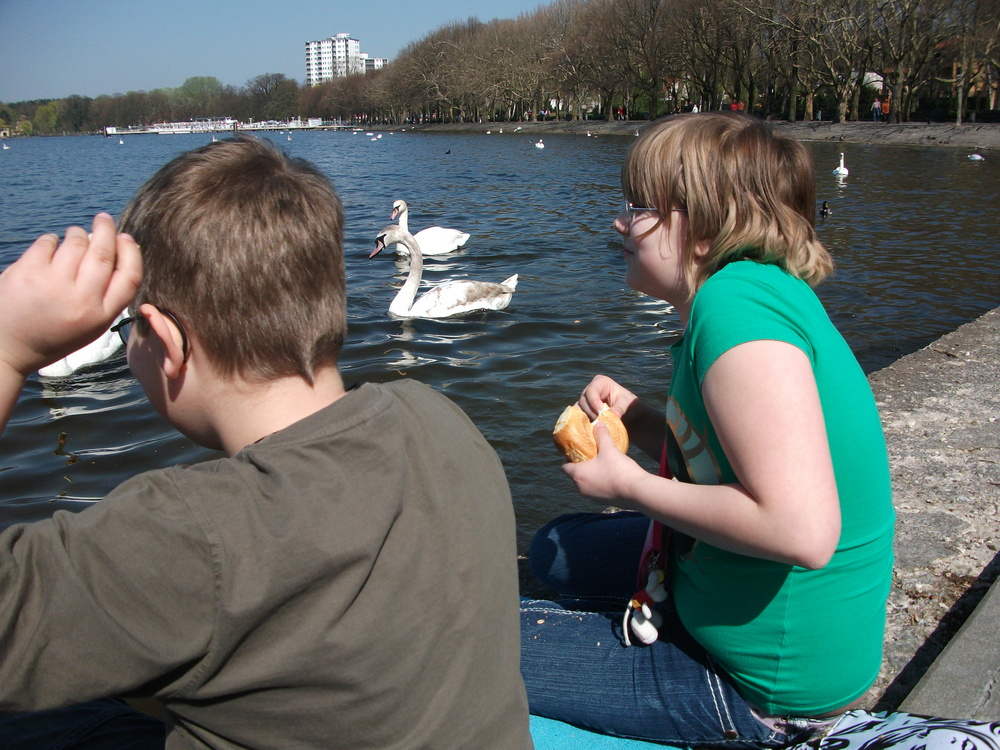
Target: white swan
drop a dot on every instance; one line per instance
(841, 171)
(433, 240)
(97, 351)
(443, 300)
(539, 144)
(976, 157)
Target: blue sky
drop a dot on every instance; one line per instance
(55, 48)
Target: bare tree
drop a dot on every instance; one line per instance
(909, 33)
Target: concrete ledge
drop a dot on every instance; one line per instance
(964, 681)
(940, 410)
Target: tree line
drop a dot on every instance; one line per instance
(576, 59)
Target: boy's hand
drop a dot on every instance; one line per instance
(58, 297)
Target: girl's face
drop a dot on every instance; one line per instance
(653, 246)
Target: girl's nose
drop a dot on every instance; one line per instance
(622, 222)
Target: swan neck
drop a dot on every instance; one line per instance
(403, 302)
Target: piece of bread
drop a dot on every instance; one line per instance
(574, 433)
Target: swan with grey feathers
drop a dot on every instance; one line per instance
(444, 300)
(432, 240)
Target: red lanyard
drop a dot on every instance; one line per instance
(640, 616)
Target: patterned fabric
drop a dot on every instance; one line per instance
(861, 730)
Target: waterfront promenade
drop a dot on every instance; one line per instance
(981, 137)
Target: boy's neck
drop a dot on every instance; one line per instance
(247, 412)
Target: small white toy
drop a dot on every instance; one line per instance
(640, 616)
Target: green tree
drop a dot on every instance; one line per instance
(74, 114)
(46, 117)
(272, 96)
(199, 96)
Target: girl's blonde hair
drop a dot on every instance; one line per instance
(749, 192)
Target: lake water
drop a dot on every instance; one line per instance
(913, 233)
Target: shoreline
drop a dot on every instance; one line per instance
(977, 137)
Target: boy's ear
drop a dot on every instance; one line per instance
(171, 342)
(701, 249)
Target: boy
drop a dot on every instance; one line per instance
(344, 577)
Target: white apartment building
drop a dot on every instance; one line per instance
(337, 57)
(373, 63)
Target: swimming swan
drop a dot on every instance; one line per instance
(443, 300)
(97, 351)
(976, 157)
(433, 240)
(841, 170)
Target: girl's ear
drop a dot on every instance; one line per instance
(164, 329)
(701, 249)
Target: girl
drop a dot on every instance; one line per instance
(776, 531)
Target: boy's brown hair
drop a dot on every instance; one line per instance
(749, 192)
(244, 245)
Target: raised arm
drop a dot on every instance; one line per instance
(58, 297)
(764, 405)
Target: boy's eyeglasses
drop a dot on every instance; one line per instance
(124, 329)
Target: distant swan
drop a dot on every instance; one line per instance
(432, 240)
(93, 353)
(841, 170)
(976, 157)
(539, 144)
(443, 300)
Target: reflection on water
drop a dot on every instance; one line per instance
(107, 385)
(912, 232)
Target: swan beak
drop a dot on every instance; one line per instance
(394, 214)
(379, 246)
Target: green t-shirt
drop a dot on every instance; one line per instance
(795, 641)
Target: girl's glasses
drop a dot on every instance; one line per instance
(633, 210)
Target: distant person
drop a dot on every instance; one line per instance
(885, 109)
(344, 577)
(753, 583)
(876, 110)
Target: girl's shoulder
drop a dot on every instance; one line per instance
(748, 279)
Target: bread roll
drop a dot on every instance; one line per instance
(574, 433)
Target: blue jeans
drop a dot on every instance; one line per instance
(107, 724)
(577, 668)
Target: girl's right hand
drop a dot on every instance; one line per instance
(645, 424)
(602, 391)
